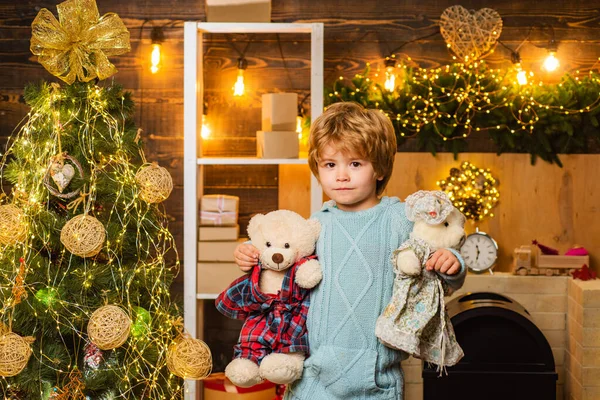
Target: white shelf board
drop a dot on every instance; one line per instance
(193, 172)
(249, 161)
(253, 27)
(206, 296)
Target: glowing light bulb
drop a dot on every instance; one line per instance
(155, 58)
(299, 126)
(205, 132)
(157, 36)
(390, 80)
(238, 87)
(551, 63)
(521, 75)
(390, 77)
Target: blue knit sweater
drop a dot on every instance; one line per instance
(355, 251)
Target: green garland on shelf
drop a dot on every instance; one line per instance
(442, 107)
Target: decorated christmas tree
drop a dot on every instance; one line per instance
(85, 309)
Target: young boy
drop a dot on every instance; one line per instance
(352, 152)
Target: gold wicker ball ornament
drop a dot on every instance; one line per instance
(155, 183)
(83, 235)
(14, 353)
(13, 228)
(109, 327)
(189, 358)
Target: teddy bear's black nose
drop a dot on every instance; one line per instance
(277, 258)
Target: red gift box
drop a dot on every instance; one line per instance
(217, 387)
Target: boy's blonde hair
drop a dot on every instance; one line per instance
(352, 129)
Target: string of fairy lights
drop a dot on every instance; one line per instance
(472, 190)
(475, 88)
(456, 100)
(443, 106)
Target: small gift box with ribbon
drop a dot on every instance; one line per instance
(218, 387)
(219, 209)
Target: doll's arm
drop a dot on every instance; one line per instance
(407, 262)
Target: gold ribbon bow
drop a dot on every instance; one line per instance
(178, 325)
(75, 203)
(79, 45)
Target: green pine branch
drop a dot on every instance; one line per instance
(440, 108)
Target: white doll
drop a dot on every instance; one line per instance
(415, 320)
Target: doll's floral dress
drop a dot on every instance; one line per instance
(415, 321)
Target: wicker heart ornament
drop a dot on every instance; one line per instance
(470, 35)
(62, 170)
(62, 174)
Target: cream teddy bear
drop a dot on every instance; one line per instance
(415, 320)
(273, 300)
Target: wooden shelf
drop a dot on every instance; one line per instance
(193, 83)
(249, 161)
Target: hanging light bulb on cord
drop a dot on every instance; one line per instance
(299, 125)
(157, 36)
(390, 77)
(521, 75)
(238, 87)
(205, 131)
(299, 121)
(551, 63)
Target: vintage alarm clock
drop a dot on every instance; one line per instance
(480, 252)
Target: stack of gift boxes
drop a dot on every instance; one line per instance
(278, 138)
(218, 238)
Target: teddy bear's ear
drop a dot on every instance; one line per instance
(254, 224)
(315, 227)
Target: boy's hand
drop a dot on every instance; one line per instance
(443, 261)
(246, 256)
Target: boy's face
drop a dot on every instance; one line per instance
(348, 180)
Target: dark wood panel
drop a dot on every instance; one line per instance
(384, 15)
(16, 12)
(230, 147)
(231, 176)
(221, 334)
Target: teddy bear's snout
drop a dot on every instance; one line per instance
(277, 258)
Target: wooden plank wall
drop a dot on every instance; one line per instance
(557, 206)
(356, 32)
